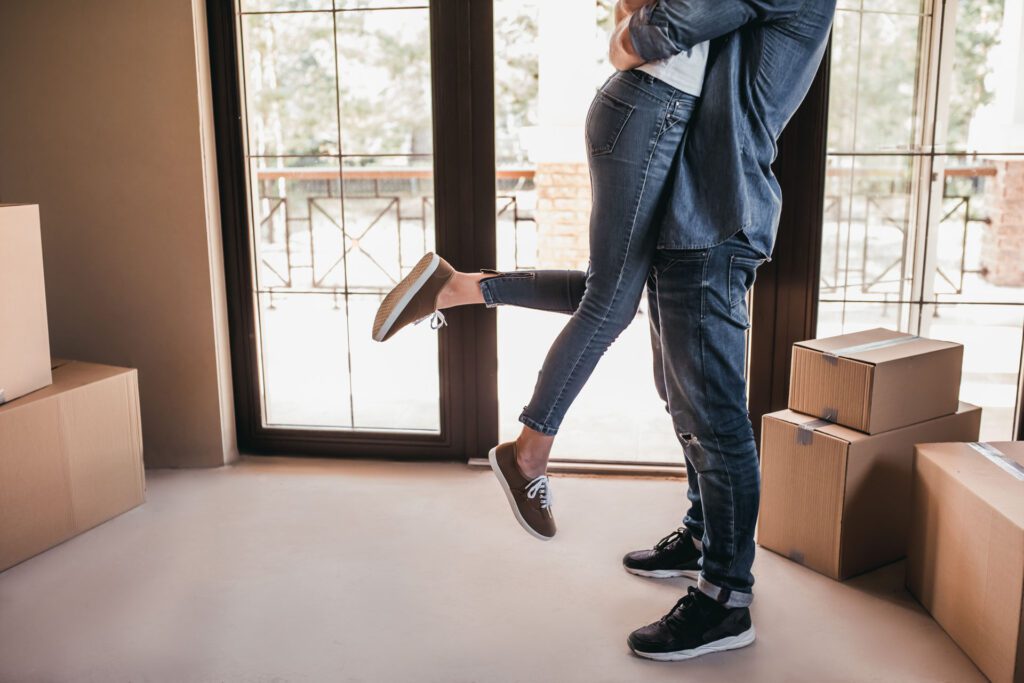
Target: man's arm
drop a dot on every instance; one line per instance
(671, 26)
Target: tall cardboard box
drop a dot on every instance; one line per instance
(877, 380)
(24, 336)
(70, 458)
(837, 500)
(965, 560)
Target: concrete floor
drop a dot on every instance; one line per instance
(305, 570)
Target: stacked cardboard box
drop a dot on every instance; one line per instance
(70, 436)
(965, 560)
(837, 467)
(24, 337)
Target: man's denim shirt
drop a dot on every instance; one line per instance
(762, 61)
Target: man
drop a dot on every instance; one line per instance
(719, 226)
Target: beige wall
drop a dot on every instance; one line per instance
(105, 123)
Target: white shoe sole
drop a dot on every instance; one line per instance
(406, 296)
(492, 458)
(730, 643)
(664, 573)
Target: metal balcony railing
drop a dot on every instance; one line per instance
(873, 271)
(295, 257)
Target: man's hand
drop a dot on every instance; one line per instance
(620, 50)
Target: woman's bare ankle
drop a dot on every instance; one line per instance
(532, 452)
(461, 290)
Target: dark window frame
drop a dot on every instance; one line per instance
(785, 307)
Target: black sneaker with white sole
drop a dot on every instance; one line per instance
(674, 555)
(696, 626)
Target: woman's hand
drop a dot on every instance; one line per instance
(625, 8)
(620, 50)
(634, 5)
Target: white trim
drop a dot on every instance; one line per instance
(664, 573)
(407, 297)
(730, 643)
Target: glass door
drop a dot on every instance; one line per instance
(338, 129)
(923, 226)
(335, 166)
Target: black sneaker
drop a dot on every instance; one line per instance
(674, 555)
(696, 626)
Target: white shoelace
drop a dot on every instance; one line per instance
(539, 486)
(437, 320)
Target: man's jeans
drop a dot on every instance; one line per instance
(634, 128)
(699, 319)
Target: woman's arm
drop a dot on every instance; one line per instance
(620, 49)
(624, 8)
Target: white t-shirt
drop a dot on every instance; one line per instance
(684, 71)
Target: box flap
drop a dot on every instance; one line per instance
(876, 346)
(823, 426)
(915, 346)
(993, 477)
(25, 353)
(833, 344)
(841, 432)
(70, 375)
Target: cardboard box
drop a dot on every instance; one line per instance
(838, 500)
(875, 381)
(24, 337)
(70, 458)
(965, 560)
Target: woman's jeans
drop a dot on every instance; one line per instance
(634, 129)
(699, 319)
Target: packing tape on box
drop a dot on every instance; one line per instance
(1011, 467)
(805, 431)
(833, 356)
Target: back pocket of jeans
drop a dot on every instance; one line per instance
(742, 273)
(605, 121)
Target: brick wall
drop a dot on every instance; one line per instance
(1002, 247)
(563, 215)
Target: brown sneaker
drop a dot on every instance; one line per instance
(530, 498)
(414, 298)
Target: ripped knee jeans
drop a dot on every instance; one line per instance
(699, 319)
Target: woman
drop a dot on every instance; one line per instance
(634, 128)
